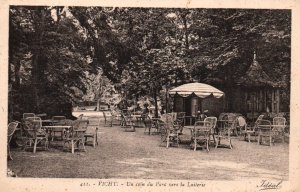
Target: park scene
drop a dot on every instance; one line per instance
(148, 93)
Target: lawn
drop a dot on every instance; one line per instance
(136, 155)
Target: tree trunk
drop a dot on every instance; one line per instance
(186, 35)
(35, 82)
(155, 102)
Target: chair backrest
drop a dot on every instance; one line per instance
(260, 117)
(266, 124)
(36, 122)
(279, 121)
(180, 115)
(25, 115)
(203, 125)
(212, 121)
(231, 117)
(12, 126)
(221, 116)
(169, 120)
(32, 125)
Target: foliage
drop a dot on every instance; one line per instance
(141, 51)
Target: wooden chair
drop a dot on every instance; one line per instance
(76, 136)
(265, 131)
(279, 124)
(34, 133)
(12, 126)
(92, 130)
(108, 118)
(202, 132)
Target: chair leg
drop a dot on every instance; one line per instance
(35, 144)
(83, 146)
(72, 145)
(230, 144)
(214, 138)
(168, 141)
(46, 144)
(94, 141)
(195, 144)
(217, 143)
(207, 146)
(9, 153)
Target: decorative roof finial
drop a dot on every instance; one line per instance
(254, 59)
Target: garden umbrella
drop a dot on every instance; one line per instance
(201, 90)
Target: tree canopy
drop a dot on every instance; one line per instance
(54, 51)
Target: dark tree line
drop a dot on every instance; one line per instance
(142, 51)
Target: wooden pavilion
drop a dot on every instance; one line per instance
(255, 93)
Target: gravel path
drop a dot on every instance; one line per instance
(139, 156)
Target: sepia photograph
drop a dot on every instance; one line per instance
(113, 97)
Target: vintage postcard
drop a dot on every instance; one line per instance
(153, 95)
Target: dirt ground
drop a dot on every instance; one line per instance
(137, 155)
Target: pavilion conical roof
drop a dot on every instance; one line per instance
(255, 76)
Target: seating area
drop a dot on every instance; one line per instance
(35, 134)
(205, 142)
(92, 137)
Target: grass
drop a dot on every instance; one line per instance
(137, 155)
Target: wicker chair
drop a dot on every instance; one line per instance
(202, 132)
(172, 130)
(76, 136)
(279, 124)
(224, 133)
(265, 131)
(252, 130)
(34, 133)
(12, 126)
